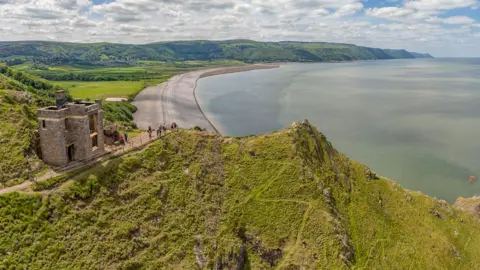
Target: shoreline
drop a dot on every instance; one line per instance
(228, 70)
(175, 100)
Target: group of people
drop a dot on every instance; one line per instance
(162, 128)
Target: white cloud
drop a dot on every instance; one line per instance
(417, 16)
(82, 22)
(440, 4)
(417, 25)
(348, 9)
(389, 12)
(136, 28)
(126, 10)
(458, 20)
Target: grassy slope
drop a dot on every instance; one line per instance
(17, 134)
(20, 95)
(283, 200)
(120, 113)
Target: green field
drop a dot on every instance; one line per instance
(102, 90)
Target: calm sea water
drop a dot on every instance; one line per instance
(415, 121)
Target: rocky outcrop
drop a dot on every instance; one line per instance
(469, 205)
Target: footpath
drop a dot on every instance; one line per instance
(137, 142)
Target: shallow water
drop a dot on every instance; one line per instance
(415, 121)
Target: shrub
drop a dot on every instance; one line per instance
(9, 99)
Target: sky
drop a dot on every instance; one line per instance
(444, 28)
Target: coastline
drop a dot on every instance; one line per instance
(227, 70)
(208, 73)
(176, 101)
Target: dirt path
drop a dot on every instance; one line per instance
(175, 100)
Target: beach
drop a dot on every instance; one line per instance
(175, 100)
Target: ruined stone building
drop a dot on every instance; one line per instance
(70, 131)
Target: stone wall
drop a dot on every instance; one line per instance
(52, 113)
(101, 135)
(79, 136)
(53, 141)
(81, 109)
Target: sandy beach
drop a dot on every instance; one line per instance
(175, 100)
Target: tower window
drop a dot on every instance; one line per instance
(92, 119)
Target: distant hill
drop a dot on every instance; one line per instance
(421, 55)
(242, 50)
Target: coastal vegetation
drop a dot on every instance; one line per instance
(285, 200)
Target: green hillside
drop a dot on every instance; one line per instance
(54, 53)
(20, 95)
(192, 200)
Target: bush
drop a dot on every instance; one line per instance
(50, 183)
(120, 112)
(9, 99)
(85, 189)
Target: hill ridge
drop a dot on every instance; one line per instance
(283, 200)
(205, 50)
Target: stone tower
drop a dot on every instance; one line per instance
(70, 131)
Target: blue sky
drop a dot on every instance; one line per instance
(99, 2)
(440, 27)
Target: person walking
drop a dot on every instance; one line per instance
(159, 132)
(150, 132)
(125, 136)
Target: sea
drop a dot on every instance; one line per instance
(414, 121)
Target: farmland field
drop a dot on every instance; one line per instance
(102, 90)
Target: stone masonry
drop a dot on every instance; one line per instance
(70, 131)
